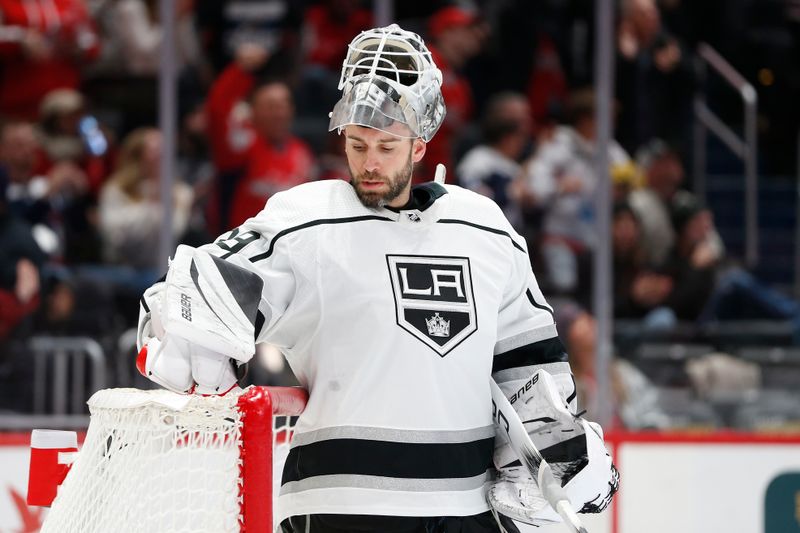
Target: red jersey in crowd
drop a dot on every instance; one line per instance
(328, 37)
(271, 168)
(250, 168)
(42, 45)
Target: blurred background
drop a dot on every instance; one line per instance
(129, 126)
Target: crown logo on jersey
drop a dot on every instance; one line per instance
(438, 326)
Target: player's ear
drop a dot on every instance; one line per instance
(418, 147)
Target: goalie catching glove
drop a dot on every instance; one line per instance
(197, 329)
(572, 446)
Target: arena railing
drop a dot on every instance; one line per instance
(745, 147)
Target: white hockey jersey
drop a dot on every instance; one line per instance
(394, 321)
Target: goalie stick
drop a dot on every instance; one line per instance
(506, 418)
(514, 431)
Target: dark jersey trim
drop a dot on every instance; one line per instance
(389, 459)
(484, 228)
(260, 319)
(538, 353)
(422, 197)
(574, 390)
(538, 305)
(312, 223)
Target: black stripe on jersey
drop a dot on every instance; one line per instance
(537, 353)
(260, 319)
(389, 459)
(484, 228)
(312, 223)
(574, 390)
(537, 305)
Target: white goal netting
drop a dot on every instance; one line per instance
(155, 461)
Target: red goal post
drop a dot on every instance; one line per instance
(261, 405)
(160, 461)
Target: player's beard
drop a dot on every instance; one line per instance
(397, 184)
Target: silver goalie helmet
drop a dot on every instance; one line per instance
(390, 82)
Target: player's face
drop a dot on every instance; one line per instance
(380, 165)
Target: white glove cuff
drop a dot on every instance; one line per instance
(169, 364)
(213, 372)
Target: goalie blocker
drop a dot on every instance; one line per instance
(184, 343)
(571, 445)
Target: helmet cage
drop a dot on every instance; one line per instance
(392, 72)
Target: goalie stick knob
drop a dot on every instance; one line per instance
(438, 176)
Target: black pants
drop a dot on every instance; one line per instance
(331, 523)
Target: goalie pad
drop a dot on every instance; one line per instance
(572, 446)
(193, 325)
(212, 303)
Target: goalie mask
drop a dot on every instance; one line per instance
(390, 83)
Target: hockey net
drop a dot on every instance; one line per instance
(155, 461)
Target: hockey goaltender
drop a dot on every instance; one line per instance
(394, 306)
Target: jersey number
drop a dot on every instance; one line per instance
(236, 241)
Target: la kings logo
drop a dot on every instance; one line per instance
(434, 299)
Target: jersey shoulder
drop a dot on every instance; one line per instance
(469, 206)
(309, 202)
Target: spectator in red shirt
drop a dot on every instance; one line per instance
(252, 146)
(44, 44)
(456, 36)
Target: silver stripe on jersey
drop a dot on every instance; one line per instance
(526, 337)
(393, 435)
(339, 481)
(524, 372)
